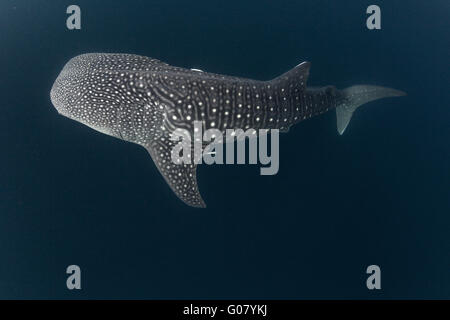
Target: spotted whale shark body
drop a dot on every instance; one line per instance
(142, 100)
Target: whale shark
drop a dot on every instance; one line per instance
(143, 100)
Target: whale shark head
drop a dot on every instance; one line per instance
(67, 90)
(79, 94)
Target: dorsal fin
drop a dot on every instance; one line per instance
(181, 178)
(298, 75)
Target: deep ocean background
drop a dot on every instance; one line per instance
(379, 194)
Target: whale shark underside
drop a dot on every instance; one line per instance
(142, 100)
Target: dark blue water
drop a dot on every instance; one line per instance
(379, 194)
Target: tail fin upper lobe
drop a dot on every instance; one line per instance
(355, 96)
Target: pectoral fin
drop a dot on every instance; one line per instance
(180, 177)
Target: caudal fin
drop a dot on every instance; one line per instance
(355, 96)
